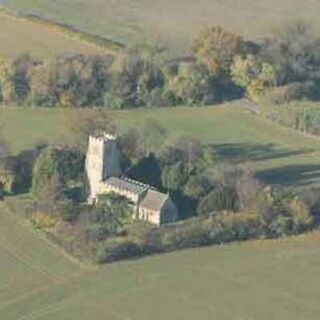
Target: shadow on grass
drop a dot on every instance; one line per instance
(242, 152)
(292, 175)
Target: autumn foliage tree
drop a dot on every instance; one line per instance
(77, 126)
(252, 74)
(215, 49)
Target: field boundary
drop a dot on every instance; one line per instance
(255, 110)
(9, 207)
(101, 43)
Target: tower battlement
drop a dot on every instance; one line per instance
(103, 136)
(101, 139)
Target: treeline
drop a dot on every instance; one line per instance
(222, 66)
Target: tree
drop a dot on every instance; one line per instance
(51, 199)
(198, 185)
(131, 149)
(4, 146)
(4, 151)
(252, 74)
(220, 199)
(294, 52)
(174, 176)
(248, 189)
(112, 212)
(45, 168)
(71, 163)
(77, 126)
(301, 216)
(215, 49)
(81, 80)
(6, 84)
(190, 85)
(147, 171)
(135, 80)
(19, 78)
(43, 91)
(191, 150)
(152, 136)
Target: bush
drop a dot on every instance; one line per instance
(43, 220)
(117, 249)
(229, 227)
(222, 198)
(45, 168)
(1, 191)
(7, 183)
(223, 228)
(288, 93)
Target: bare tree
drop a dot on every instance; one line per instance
(247, 188)
(76, 126)
(4, 146)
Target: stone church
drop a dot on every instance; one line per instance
(105, 176)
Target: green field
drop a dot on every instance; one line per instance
(19, 36)
(277, 155)
(171, 22)
(261, 280)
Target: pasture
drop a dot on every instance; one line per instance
(19, 36)
(172, 23)
(277, 155)
(255, 280)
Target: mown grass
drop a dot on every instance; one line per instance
(257, 280)
(171, 22)
(276, 154)
(19, 36)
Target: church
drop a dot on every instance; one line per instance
(105, 176)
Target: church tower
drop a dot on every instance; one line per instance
(102, 161)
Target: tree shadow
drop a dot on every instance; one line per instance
(243, 152)
(291, 175)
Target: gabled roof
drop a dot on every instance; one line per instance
(154, 200)
(126, 184)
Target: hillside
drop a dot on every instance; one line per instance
(172, 22)
(258, 280)
(19, 36)
(276, 154)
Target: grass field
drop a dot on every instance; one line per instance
(276, 154)
(261, 280)
(171, 22)
(20, 36)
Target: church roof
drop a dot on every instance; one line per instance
(126, 184)
(154, 200)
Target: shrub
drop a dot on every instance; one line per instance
(43, 220)
(117, 249)
(288, 93)
(7, 183)
(302, 220)
(1, 191)
(222, 228)
(45, 168)
(222, 198)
